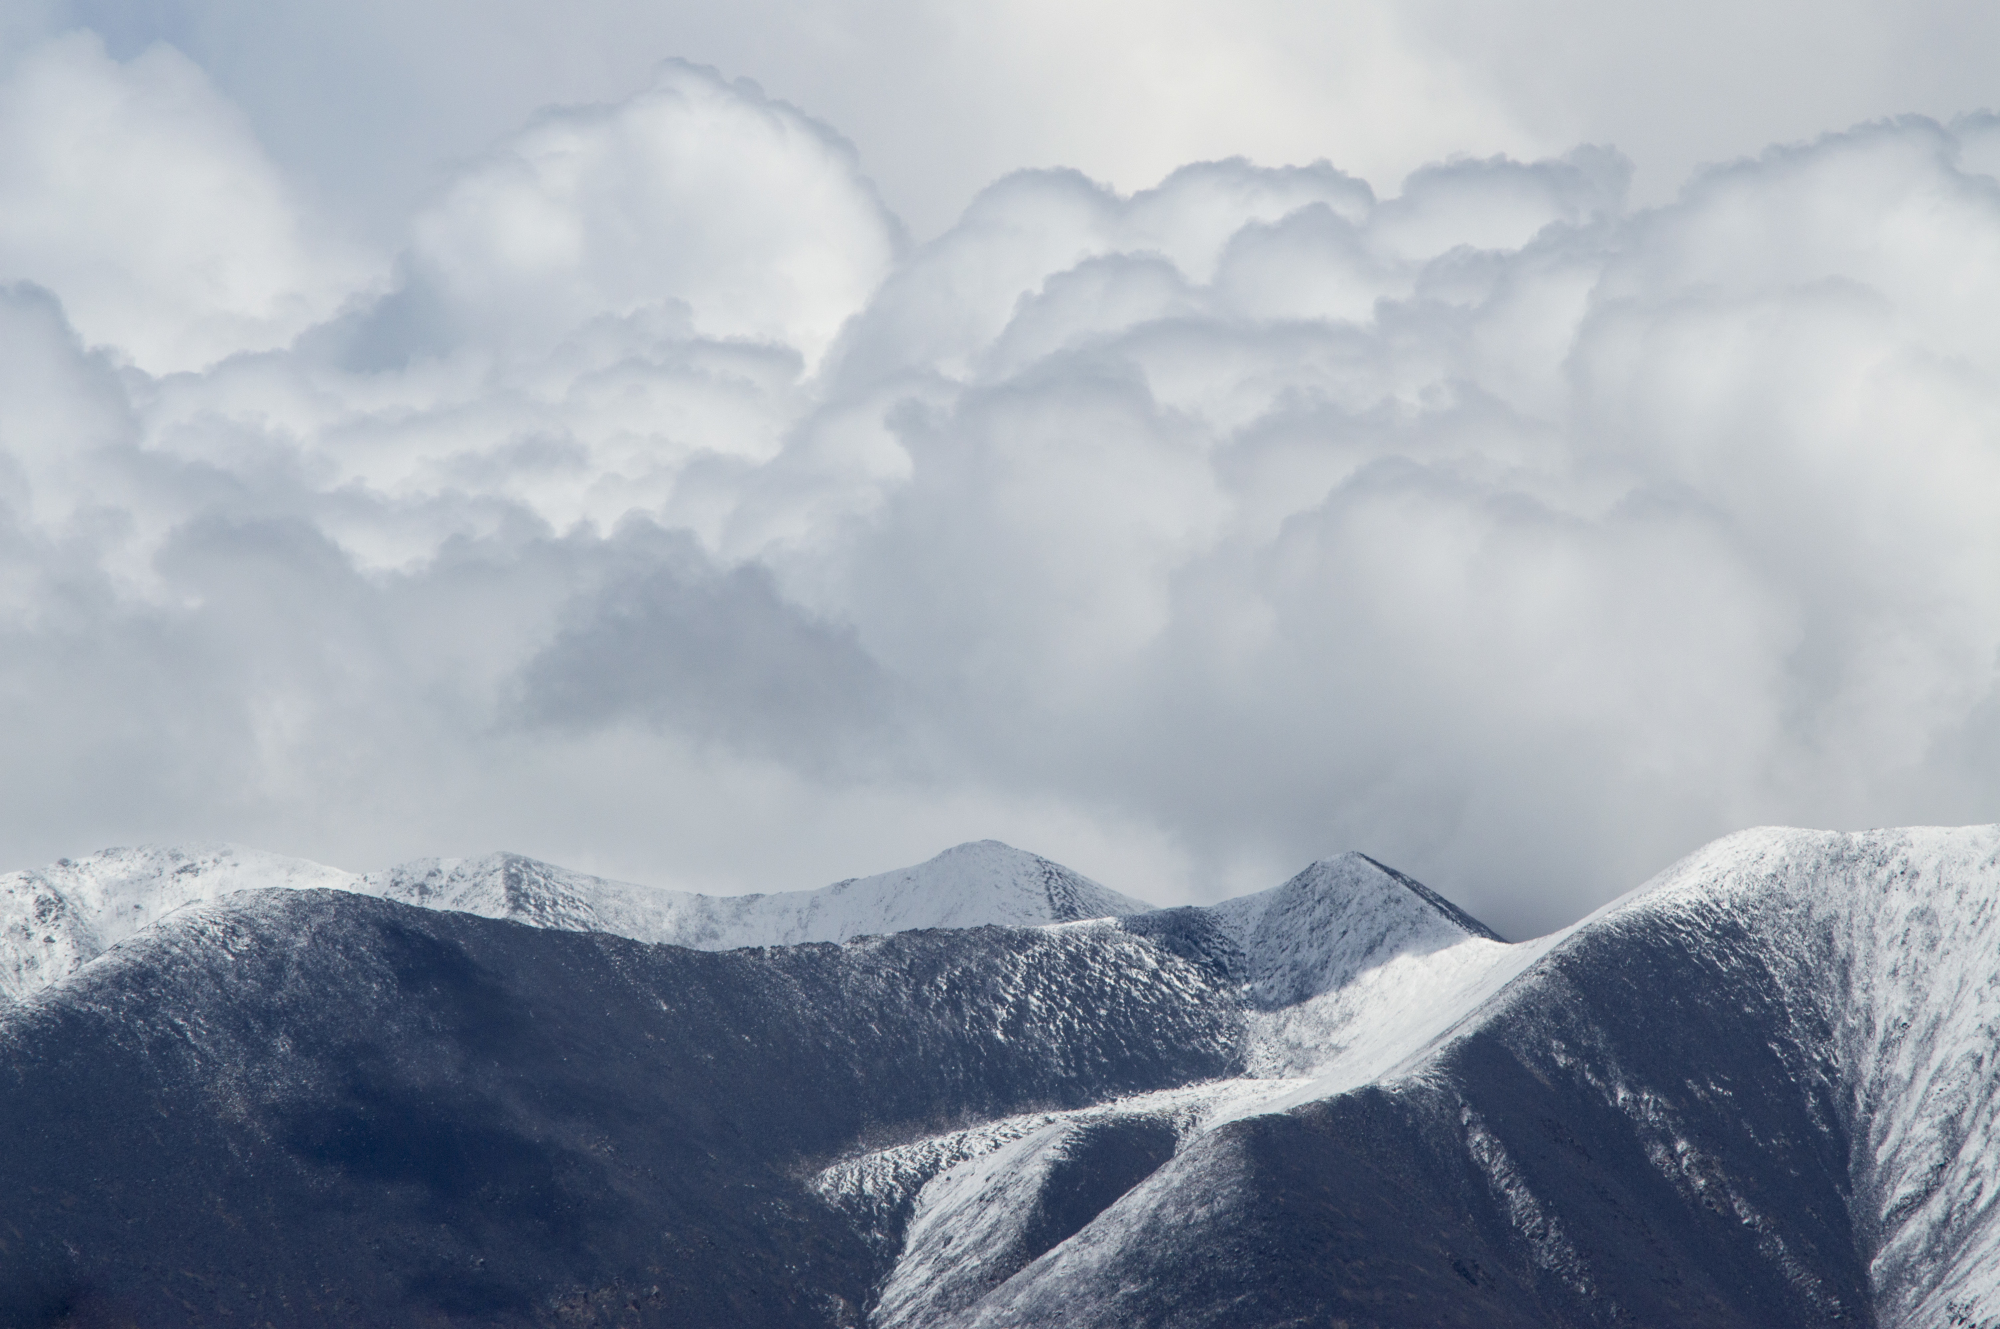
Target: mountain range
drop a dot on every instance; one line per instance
(56, 919)
(1760, 1090)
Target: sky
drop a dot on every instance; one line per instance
(744, 447)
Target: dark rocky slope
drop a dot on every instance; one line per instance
(1641, 1137)
(318, 1108)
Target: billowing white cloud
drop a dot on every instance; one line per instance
(371, 100)
(696, 201)
(141, 195)
(671, 517)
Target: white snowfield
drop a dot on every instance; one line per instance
(54, 920)
(1888, 939)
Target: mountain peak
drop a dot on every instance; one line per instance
(986, 881)
(983, 881)
(504, 885)
(1451, 911)
(1337, 918)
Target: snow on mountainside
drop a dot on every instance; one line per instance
(316, 1108)
(1350, 966)
(1889, 941)
(1345, 971)
(55, 919)
(971, 885)
(1339, 917)
(1762, 1090)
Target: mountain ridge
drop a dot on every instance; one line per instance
(1759, 1091)
(378, 1111)
(55, 919)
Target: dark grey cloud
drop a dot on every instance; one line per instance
(674, 641)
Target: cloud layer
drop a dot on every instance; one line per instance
(659, 508)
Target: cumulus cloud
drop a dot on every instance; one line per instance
(140, 194)
(701, 200)
(672, 515)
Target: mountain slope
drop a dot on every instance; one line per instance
(1350, 965)
(1327, 925)
(1760, 1092)
(312, 1107)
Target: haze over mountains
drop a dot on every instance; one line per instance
(1759, 1091)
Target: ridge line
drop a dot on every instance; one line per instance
(1431, 897)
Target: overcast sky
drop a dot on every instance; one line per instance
(742, 448)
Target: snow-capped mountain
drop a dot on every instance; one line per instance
(1763, 1090)
(973, 884)
(55, 919)
(1760, 1091)
(1350, 963)
(314, 1107)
